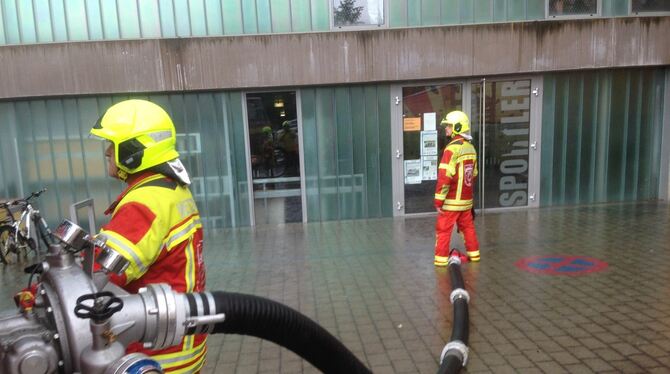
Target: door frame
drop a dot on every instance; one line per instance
(534, 138)
(247, 151)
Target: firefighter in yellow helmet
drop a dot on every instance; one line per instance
(154, 223)
(455, 189)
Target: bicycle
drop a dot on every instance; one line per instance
(16, 235)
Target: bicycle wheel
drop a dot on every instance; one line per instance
(8, 246)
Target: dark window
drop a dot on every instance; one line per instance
(641, 6)
(572, 7)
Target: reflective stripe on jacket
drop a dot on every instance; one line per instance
(156, 226)
(456, 175)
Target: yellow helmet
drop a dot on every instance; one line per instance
(458, 120)
(142, 133)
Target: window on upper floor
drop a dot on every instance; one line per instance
(649, 6)
(358, 13)
(572, 8)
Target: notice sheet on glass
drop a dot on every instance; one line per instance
(428, 143)
(412, 171)
(429, 168)
(429, 120)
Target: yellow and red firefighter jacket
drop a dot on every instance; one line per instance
(156, 226)
(455, 176)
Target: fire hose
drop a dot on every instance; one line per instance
(455, 354)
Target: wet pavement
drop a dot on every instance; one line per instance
(372, 284)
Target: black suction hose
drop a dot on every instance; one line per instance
(454, 355)
(278, 323)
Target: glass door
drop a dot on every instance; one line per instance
(274, 149)
(503, 116)
(423, 142)
(500, 117)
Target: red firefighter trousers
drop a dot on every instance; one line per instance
(443, 228)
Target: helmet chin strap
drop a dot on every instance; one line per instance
(122, 175)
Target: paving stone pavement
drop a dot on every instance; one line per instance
(373, 285)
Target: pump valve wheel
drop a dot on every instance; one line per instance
(104, 305)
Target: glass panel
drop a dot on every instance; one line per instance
(482, 11)
(613, 132)
(26, 22)
(503, 150)
(358, 12)
(467, 11)
(516, 9)
(281, 15)
(572, 7)
(275, 158)
(451, 13)
(213, 17)
(430, 12)
(301, 18)
(310, 147)
(150, 21)
(413, 13)
(75, 12)
(128, 18)
(362, 191)
(639, 6)
(397, 13)
(264, 16)
(168, 26)
(423, 108)
(110, 19)
(534, 9)
(11, 22)
(198, 18)
(183, 23)
(232, 17)
(250, 18)
(94, 16)
(320, 15)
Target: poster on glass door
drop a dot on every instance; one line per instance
(428, 143)
(412, 171)
(429, 168)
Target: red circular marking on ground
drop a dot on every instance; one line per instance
(561, 265)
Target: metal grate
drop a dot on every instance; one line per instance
(572, 7)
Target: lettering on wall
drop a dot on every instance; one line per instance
(515, 125)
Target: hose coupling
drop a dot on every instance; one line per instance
(459, 293)
(456, 348)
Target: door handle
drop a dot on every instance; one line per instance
(397, 153)
(398, 205)
(533, 145)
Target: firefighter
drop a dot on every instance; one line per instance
(455, 188)
(154, 223)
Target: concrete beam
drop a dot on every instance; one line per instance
(163, 65)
